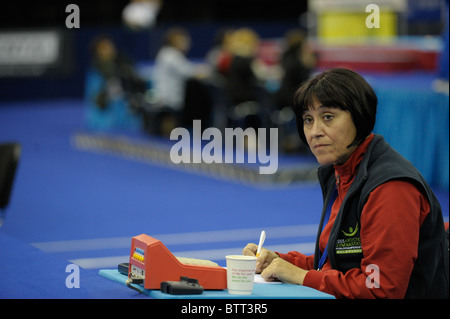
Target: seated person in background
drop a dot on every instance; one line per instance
(248, 100)
(220, 56)
(172, 70)
(180, 95)
(297, 63)
(113, 91)
(242, 82)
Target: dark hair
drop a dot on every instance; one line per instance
(172, 32)
(343, 89)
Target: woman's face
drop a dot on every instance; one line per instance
(328, 132)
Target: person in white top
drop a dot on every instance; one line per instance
(173, 69)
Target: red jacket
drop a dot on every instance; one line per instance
(385, 237)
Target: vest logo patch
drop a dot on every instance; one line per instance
(351, 232)
(349, 244)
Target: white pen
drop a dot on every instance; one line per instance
(261, 242)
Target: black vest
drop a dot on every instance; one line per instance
(380, 164)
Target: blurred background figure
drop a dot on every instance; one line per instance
(248, 100)
(175, 82)
(172, 69)
(141, 14)
(297, 62)
(220, 56)
(114, 92)
(242, 82)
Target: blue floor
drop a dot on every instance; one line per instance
(62, 193)
(85, 206)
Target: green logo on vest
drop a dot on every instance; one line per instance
(350, 244)
(351, 232)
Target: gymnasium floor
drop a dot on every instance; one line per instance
(84, 206)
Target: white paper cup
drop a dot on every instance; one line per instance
(240, 274)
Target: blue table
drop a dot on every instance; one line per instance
(260, 291)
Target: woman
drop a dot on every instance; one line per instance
(384, 237)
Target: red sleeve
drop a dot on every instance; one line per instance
(299, 259)
(390, 223)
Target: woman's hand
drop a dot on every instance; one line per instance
(265, 257)
(272, 267)
(282, 270)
